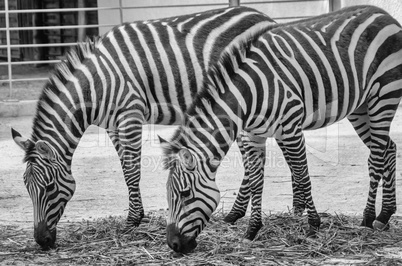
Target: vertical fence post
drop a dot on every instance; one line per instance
(121, 11)
(334, 5)
(8, 42)
(234, 3)
(82, 20)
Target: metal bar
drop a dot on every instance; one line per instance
(30, 62)
(8, 41)
(30, 79)
(121, 11)
(59, 27)
(284, 1)
(49, 10)
(38, 45)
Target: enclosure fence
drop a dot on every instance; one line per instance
(7, 79)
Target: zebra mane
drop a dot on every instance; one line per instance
(229, 61)
(74, 58)
(170, 153)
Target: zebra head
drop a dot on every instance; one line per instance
(192, 196)
(50, 185)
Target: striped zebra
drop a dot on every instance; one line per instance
(294, 77)
(145, 72)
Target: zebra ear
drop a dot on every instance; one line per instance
(168, 147)
(187, 158)
(44, 149)
(163, 142)
(22, 142)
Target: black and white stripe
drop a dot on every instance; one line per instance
(293, 77)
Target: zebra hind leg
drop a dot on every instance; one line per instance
(372, 122)
(360, 121)
(243, 196)
(388, 199)
(382, 105)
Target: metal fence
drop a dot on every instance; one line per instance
(7, 80)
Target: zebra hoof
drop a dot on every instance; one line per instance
(377, 225)
(368, 221)
(312, 231)
(298, 211)
(130, 226)
(252, 231)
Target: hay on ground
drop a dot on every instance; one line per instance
(281, 241)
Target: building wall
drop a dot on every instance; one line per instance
(393, 7)
(281, 11)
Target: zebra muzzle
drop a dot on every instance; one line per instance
(178, 242)
(44, 237)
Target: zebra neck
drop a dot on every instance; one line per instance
(210, 136)
(65, 110)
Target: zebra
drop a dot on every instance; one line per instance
(145, 72)
(293, 77)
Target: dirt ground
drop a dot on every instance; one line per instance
(337, 160)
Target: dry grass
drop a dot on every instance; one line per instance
(281, 241)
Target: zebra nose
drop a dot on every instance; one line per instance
(178, 242)
(45, 238)
(45, 242)
(175, 244)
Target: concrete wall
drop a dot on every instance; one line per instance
(282, 11)
(393, 7)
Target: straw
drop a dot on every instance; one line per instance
(281, 241)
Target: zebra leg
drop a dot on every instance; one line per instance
(255, 152)
(373, 127)
(294, 145)
(389, 193)
(130, 157)
(239, 207)
(360, 121)
(298, 196)
(381, 109)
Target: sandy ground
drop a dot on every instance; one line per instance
(337, 160)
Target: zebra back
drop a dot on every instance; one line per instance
(169, 58)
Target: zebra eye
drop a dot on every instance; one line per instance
(185, 193)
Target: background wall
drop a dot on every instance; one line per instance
(394, 7)
(280, 10)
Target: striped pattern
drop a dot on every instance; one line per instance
(294, 77)
(142, 72)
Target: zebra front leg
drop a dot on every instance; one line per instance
(255, 162)
(299, 204)
(294, 145)
(130, 157)
(239, 207)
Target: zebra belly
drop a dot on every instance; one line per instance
(326, 116)
(164, 114)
